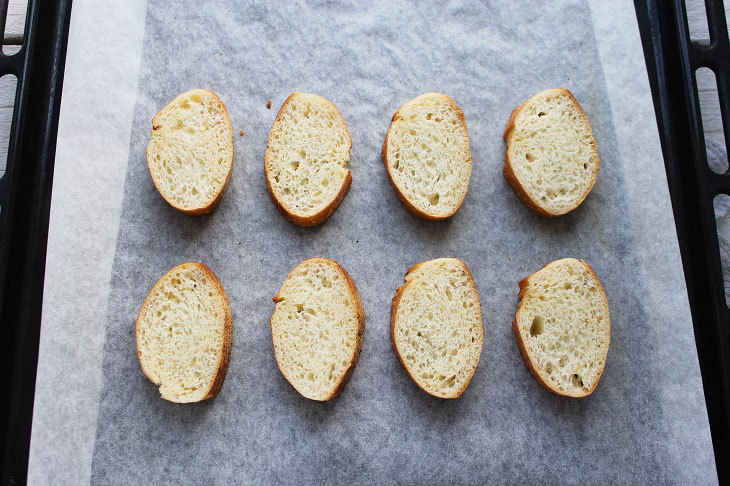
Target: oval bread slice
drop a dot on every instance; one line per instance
(563, 327)
(317, 328)
(306, 159)
(551, 160)
(436, 326)
(190, 152)
(427, 157)
(184, 334)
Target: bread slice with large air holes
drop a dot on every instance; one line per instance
(306, 159)
(190, 152)
(184, 334)
(563, 327)
(317, 328)
(551, 160)
(427, 157)
(436, 326)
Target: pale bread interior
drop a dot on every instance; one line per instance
(564, 324)
(190, 153)
(438, 326)
(181, 331)
(552, 151)
(315, 328)
(307, 155)
(428, 155)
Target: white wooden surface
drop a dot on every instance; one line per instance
(707, 87)
(13, 38)
(15, 22)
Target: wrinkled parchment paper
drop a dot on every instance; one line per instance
(646, 422)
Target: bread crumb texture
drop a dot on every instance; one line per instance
(552, 151)
(427, 154)
(184, 333)
(307, 155)
(437, 326)
(317, 328)
(190, 152)
(563, 326)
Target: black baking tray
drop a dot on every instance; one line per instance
(25, 199)
(672, 60)
(25, 195)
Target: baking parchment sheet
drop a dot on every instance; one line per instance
(646, 422)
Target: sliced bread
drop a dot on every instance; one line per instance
(190, 152)
(563, 327)
(184, 334)
(306, 159)
(551, 160)
(427, 157)
(436, 326)
(317, 328)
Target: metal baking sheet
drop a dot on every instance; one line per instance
(646, 422)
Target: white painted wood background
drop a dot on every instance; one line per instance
(707, 86)
(13, 38)
(711, 118)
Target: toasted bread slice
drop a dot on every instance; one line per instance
(436, 326)
(563, 327)
(184, 334)
(427, 157)
(306, 159)
(551, 160)
(317, 328)
(190, 152)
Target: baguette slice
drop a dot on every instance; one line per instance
(436, 326)
(190, 153)
(317, 328)
(427, 157)
(551, 160)
(184, 334)
(563, 327)
(306, 159)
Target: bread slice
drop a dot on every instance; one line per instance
(190, 153)
(317, 328)
(306, 159)
(436, 326)
(563, 327)
(184, 334)
(551, 160)
(427, 157)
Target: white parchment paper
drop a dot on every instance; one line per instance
(100, 89)
(646, 422)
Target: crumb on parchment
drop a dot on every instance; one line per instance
(268, 104)
(241, 132)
